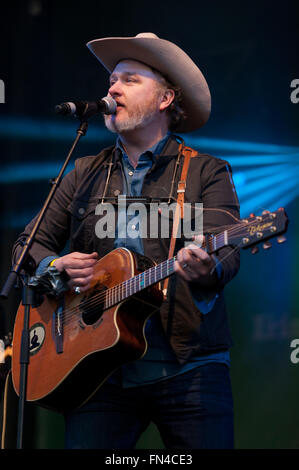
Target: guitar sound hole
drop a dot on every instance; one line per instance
(92, 306)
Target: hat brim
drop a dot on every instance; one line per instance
(171, 61)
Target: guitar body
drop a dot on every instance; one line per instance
(75, 343)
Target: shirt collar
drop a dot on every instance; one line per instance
(152, 151)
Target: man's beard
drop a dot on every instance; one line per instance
(139, 118)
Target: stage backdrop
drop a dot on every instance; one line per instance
(249, 55)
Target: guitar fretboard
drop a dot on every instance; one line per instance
(215, 242)
(139, 282)
(157, 273)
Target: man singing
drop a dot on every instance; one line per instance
(182, 382)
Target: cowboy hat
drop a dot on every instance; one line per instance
(168, 59)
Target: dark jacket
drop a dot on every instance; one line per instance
(71, 216)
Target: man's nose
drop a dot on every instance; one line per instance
(115, 89)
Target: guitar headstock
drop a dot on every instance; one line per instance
(256, 229)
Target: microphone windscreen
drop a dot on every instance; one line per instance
(110, 105)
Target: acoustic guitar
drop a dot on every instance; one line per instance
(77, 341)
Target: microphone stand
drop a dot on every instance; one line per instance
(28, 294)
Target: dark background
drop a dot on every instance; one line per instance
(248, 52)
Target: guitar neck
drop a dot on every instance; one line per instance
(139, 282)
(248, 232)
(158, 272)
(155, 274)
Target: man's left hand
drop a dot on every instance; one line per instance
(194, 264)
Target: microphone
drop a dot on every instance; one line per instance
(87, 109)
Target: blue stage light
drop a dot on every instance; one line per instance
(265, 175)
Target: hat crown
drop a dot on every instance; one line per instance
(147, 35)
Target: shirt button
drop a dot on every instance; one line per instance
(131, 173)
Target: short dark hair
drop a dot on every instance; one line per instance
(176, 113)
(175, 110)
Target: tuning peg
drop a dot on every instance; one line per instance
(281, 239)
(254, 250)
(267, 245)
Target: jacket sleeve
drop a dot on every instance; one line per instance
(54, 229)
(220, 209)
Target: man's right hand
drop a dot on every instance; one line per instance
(79, 267)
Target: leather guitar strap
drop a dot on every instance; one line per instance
(188, 153)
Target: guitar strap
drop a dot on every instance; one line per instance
(188, 153)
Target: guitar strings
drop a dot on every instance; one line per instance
(114, 291)
(68, 314)
(118, 289)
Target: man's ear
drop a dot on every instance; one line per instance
(167, 99)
